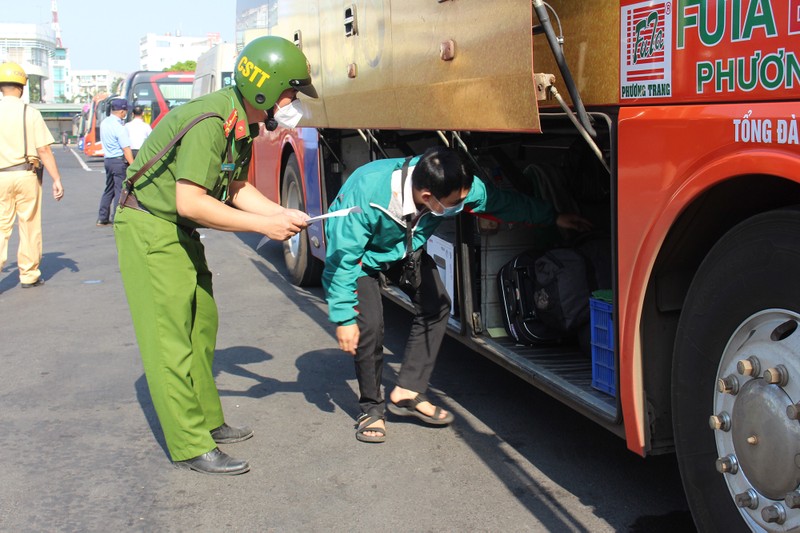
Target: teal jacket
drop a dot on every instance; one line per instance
(365, 243)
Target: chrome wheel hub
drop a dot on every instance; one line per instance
(755, 419)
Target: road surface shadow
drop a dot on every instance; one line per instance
(52, 263)
(575, 453)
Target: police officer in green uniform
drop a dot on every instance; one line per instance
(200, 181)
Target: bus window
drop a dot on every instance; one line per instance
(158, 92)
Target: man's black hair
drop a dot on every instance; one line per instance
(138, 110)
(9, 84)
(441, 171)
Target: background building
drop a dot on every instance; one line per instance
(158, 52)
(87, 83)
(59, 86)
(33, 47)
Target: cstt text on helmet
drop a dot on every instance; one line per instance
(251, 71)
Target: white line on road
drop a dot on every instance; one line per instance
(80, 160)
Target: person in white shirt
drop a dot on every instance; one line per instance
(138, 129)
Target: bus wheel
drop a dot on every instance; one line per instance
(736, 380)
(304, 269)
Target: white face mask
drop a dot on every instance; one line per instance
(451, 211)
(289, 116)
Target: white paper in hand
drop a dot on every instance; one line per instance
(338, 213)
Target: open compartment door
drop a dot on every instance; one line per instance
(464, 65)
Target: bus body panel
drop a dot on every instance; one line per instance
(402, 67)
(214, 69)
(670, 156)
(313, 191)
(598, 82)
(266, 167)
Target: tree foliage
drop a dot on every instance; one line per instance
(116, 85)
(182, 66)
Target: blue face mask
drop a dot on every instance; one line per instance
(448, 211)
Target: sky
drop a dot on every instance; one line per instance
(104, 35)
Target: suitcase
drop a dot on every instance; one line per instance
(516, 283)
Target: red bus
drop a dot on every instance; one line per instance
(90, 125)
(676, 135)
(156, 92)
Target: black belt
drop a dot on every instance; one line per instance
(21, 166)
(118, 157)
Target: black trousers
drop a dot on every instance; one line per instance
(115, 175)
(432, 308)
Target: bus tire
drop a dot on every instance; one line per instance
(303, 268)
(738, 448)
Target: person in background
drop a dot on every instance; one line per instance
(64, 139)
(138, 129)
(201, 183)
(365, 246)
(117, 156)
(21, 150)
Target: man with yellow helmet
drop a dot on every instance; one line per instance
(193, 169)
(24, 147)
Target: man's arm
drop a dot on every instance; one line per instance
(127, 153)
(346, 242)
(193, 202)
(49, 162)
(511, 206)
(247, 198)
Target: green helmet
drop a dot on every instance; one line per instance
(267, 66)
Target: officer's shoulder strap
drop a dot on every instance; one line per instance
(144, 168)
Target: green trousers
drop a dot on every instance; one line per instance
(168, 286)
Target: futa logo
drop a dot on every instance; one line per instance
(649, 37)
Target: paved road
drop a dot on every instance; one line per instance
(82, 451)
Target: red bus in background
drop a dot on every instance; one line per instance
(90, 126)
(157, 92)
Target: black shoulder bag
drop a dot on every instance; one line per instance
(410, 274)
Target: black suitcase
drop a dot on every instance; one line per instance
(516, 283)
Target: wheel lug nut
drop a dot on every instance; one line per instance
(777, 375)
(729, 384)
(793, 499)
(793, 411)
(721, 422)
(749, 367)
(727, 465)
(747, 499)
(774, 514)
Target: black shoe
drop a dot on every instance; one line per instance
(215, 462)
(36, 283)
(226, 434)
(102, 223)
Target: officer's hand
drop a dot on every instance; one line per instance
(298, 216)
(348, 338)
(573, 221)
(58, 190)
(284, 225)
